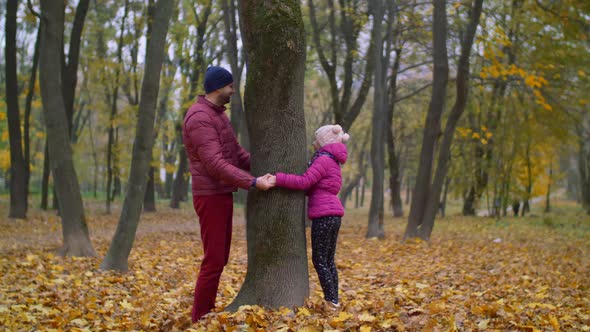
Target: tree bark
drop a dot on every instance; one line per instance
(120, 248)
(74, 228)
(274, 39)
(18, 174)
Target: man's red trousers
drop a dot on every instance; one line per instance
(215, 217)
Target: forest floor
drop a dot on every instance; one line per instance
(476, 274)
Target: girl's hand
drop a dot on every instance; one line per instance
(271, 179)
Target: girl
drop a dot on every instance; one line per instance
(322, 182)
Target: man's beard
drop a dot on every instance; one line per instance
(226, 99)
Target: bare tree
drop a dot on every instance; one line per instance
(344, 31)
(197, 67)
(74, 228)
(120, 248)
(427, 194)
(18, 176)
(376, 211)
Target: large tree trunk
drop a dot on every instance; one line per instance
(274, 39)
(376, 211)
(18, 174)
(432, 127)
(74, 228)
(118, 253)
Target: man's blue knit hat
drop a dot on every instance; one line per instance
(217, 78)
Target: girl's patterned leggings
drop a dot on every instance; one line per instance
(324, 233)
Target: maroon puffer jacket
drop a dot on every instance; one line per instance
(218, 164)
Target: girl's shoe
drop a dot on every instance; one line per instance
(331, 306)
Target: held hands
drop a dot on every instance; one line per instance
(266, 182)
(272, 179)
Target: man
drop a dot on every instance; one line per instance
(218, 165)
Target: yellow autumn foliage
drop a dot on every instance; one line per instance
(4, 159)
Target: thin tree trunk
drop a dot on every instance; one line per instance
(74, 228)
(393, 158)
(363, 189)
(408, 190)
(584, 169)
(432, 127)
(45, 177)
(443, 204)
(28, 107)
(94, 159)
(120, 248)
(18, 173)
(70, 70)
(276, 237)
(149, 200)
(356, 194)
(548, 197)
(376, 211)
(178, 185)
(112, 173)
(355, 180)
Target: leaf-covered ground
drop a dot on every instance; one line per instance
(476, 274)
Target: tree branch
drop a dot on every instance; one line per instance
(413, 93)
(33, 11)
